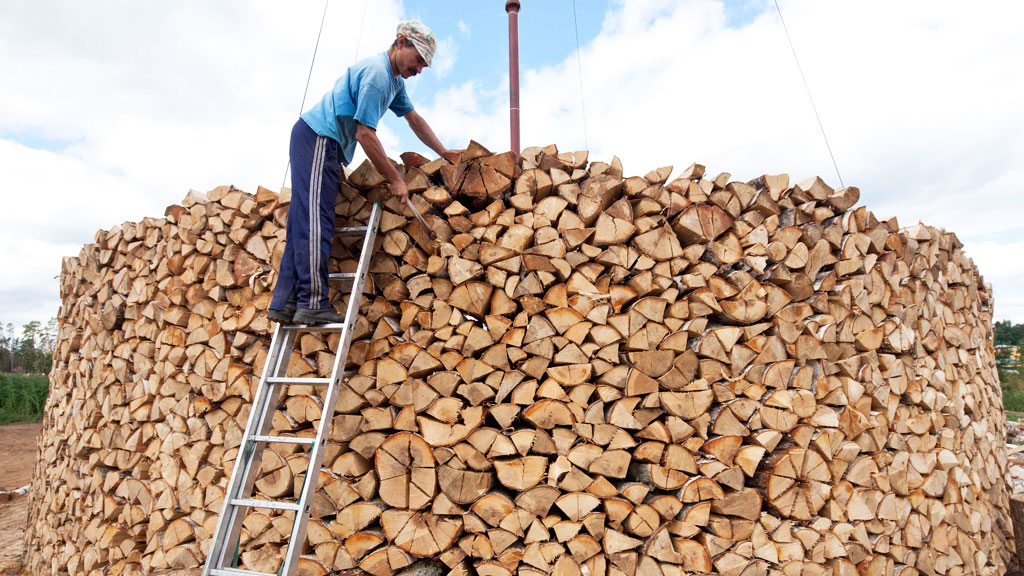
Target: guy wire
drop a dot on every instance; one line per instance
(579, 67)
(310, 75)
(809, 97)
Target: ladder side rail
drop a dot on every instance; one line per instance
(260, 426)
(220, 550)
(356, 296)
(298, 534)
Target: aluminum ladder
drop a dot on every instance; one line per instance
(223, 554)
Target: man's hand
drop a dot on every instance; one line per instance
(453, 156)
(400, 190)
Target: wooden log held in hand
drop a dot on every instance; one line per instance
(585, 375)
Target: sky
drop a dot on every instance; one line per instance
(112, 110)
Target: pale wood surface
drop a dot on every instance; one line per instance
(586, 375)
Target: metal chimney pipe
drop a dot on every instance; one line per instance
(512, 7)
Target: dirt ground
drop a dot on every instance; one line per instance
(13, 516)
(18, 455)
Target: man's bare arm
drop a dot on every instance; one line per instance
(367, 138)
(422, 131)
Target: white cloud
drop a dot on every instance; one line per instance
(1001, 266)
(921, 106)
(463, 28)
(53, 204)
(445, 57)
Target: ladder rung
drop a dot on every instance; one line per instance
(285, 440)
(350, 231)
(345, 281)
(272, 504)
(315, 327)
(310, 381)
(237, 572)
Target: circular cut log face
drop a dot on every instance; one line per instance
(463, 486)
(421, 534)
(798, 486)
(407, 471)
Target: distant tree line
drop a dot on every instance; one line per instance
(29, 352)
(1009, 334)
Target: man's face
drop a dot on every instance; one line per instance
(409, 61)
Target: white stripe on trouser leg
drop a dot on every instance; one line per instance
(320, 157)
(321, 160)
(316, 183)
(311, 211)
(322, 143)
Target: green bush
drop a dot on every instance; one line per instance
(1013, 399)
(1013, 390)
(22, 397)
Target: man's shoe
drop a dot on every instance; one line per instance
(284, 315)
(322, 316)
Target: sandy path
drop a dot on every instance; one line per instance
(13, 516)
(18, 455)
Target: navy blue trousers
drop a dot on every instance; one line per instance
(310, 231)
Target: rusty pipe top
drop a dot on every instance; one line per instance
(512, 7)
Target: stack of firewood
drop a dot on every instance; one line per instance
(587, 375)
(1015, 452)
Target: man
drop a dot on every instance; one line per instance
(326, 136)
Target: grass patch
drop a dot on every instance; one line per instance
(1013, 417)
(22, 397)
(1013, 399)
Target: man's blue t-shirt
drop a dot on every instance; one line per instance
(361, 95)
